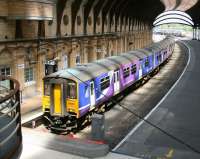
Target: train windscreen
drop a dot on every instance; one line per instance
(71, 92)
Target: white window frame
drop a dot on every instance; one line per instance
(29, 82)
(5, 67)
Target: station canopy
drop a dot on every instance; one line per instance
(173, 17)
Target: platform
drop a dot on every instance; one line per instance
(42, 145)
(177, 114)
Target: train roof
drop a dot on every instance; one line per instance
(146, 52)
(79, 73)
(155, 47)
(130, 56)
(91, 70)
(122, 59)
(138, 54)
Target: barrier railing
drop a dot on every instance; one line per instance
(10, 118)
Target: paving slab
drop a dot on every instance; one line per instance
(177, 114)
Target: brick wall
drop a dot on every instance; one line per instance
(3, 8)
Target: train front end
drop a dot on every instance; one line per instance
(60, 104)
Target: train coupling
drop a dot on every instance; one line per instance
(60, 125)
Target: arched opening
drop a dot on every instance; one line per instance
(175, 23)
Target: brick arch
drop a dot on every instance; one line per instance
(97, 9)
(75, 8)
(6, 54)
(106, 11)
(87, 9)
(6, 50)
(60, 10)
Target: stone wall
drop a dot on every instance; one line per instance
(24, 9)
(24, 22)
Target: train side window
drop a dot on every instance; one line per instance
(159, 58)
(46, 89)
(92, 88)
(126, 72)
(105, 83)
(71, 90)
(147, 62)
(133, 69)
(117, 76)
(86, 91)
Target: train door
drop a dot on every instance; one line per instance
(57, 96)
(116, 82)
(140, 69)
(161, 56)
(92, 95)
(154, 60)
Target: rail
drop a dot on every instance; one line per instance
(10, 118)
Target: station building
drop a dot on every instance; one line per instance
(39, 37)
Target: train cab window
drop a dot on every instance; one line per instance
(146, 62)
(46, 89)
(105, 83)
(126, 72)
(133, 69)
(71, 90)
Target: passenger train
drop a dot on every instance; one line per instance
(72, 95)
